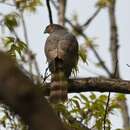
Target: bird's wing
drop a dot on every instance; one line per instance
(51, 47)
(63, 46)
(68, 52)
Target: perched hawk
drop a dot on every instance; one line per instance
(61, 50)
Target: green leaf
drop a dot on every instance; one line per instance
(10, 21)
(76, 97)
(21, 44)
(103, 3)
(83, 54)
(84, 97)
(8, 40)
(103, 98)
(120, 97)
(92, 96)
(76, 103)
(99, 124)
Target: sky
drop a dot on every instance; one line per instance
(98, 29)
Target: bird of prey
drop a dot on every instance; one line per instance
(61, 50)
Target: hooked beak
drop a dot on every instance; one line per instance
(45, 31)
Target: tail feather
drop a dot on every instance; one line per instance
(59, 82)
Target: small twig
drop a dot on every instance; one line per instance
(45, 74)
(49, 11)
(46, 77)
(54, 4)
(91, 18)
(108, 99)
(15, 34)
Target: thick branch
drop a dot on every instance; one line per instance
(114, 46)
(96, 84)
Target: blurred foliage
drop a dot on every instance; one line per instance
(16, 48)
(11, 20)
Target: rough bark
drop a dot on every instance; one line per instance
(95, 84)
(114, 46)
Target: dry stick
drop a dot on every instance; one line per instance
(49, 11)
(91, 18)
(108, 99)
(45, 75)
(54, 4)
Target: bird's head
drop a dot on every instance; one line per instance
(53, 27)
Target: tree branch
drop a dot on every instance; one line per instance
(114, 46)
(95, 84)
(86, 24)
(49, 11)
(61, 11)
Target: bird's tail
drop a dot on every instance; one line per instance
(59, 82)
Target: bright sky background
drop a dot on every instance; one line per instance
(98, 29)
